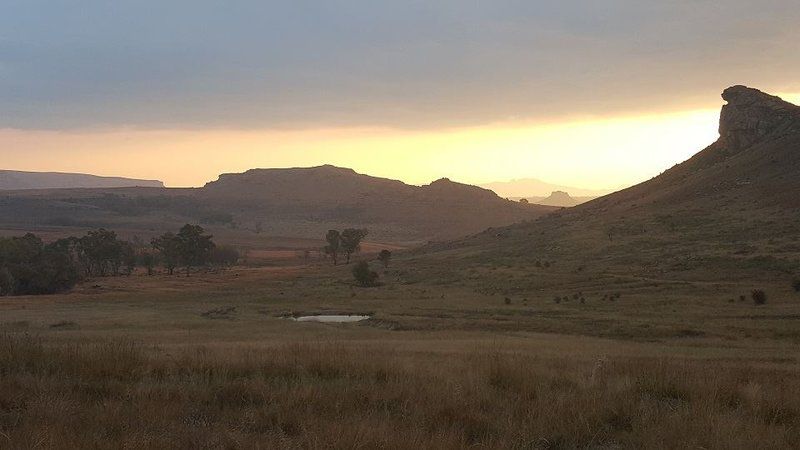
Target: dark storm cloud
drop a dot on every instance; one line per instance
(199, 63)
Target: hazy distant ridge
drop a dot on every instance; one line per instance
(17, 180)
(532, 187)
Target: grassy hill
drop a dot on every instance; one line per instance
(721, 223)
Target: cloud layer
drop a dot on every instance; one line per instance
(409, 64)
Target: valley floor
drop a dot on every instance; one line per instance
(210, 361)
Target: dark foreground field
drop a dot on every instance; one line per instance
(208, 362)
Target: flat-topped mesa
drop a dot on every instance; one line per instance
(752, 115)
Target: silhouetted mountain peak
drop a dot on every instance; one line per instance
(752, 115)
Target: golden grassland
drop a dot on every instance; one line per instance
(209, 362)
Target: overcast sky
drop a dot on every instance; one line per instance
(199, 63)
(412, 65)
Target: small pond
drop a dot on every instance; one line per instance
(331, 318)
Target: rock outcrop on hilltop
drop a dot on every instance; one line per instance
(752, 115)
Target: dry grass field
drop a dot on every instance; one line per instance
(210, 361)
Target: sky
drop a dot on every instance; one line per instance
(582, 93)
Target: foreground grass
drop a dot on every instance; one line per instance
(116, 394)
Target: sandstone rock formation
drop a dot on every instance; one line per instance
(751, 115)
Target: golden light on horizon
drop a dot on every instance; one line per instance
(604, 153)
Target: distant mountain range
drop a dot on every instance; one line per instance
(299, 202)
(15, 179)
(534, 188)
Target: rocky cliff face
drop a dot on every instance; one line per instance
(752, 116)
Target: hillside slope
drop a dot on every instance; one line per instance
(15, 179)
(731, 212)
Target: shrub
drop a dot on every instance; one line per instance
(796, 284)
(508, 301)
(364, 275)
(759, 297)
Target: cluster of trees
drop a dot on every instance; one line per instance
(191, 247)
(347, 242)
(28, 266)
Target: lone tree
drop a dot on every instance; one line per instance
(351, 241)
(195, 246)
(364, 275)
(384, 257)
(334, 239)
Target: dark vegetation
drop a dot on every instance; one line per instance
(364, 275)
(385, 256)
(759, 297)
(28, 266)
(347, 242)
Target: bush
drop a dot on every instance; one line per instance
(759, 297)
(796, 284)
(364, 275)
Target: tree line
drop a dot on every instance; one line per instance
(29, 266)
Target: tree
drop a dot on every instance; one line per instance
(524, 201)
(147, 259)
(195, 246)
(128, 257)
(351, 241)
(364, 275)
(334, 239)
(169, 246)
(384, 257)
(101, 252)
